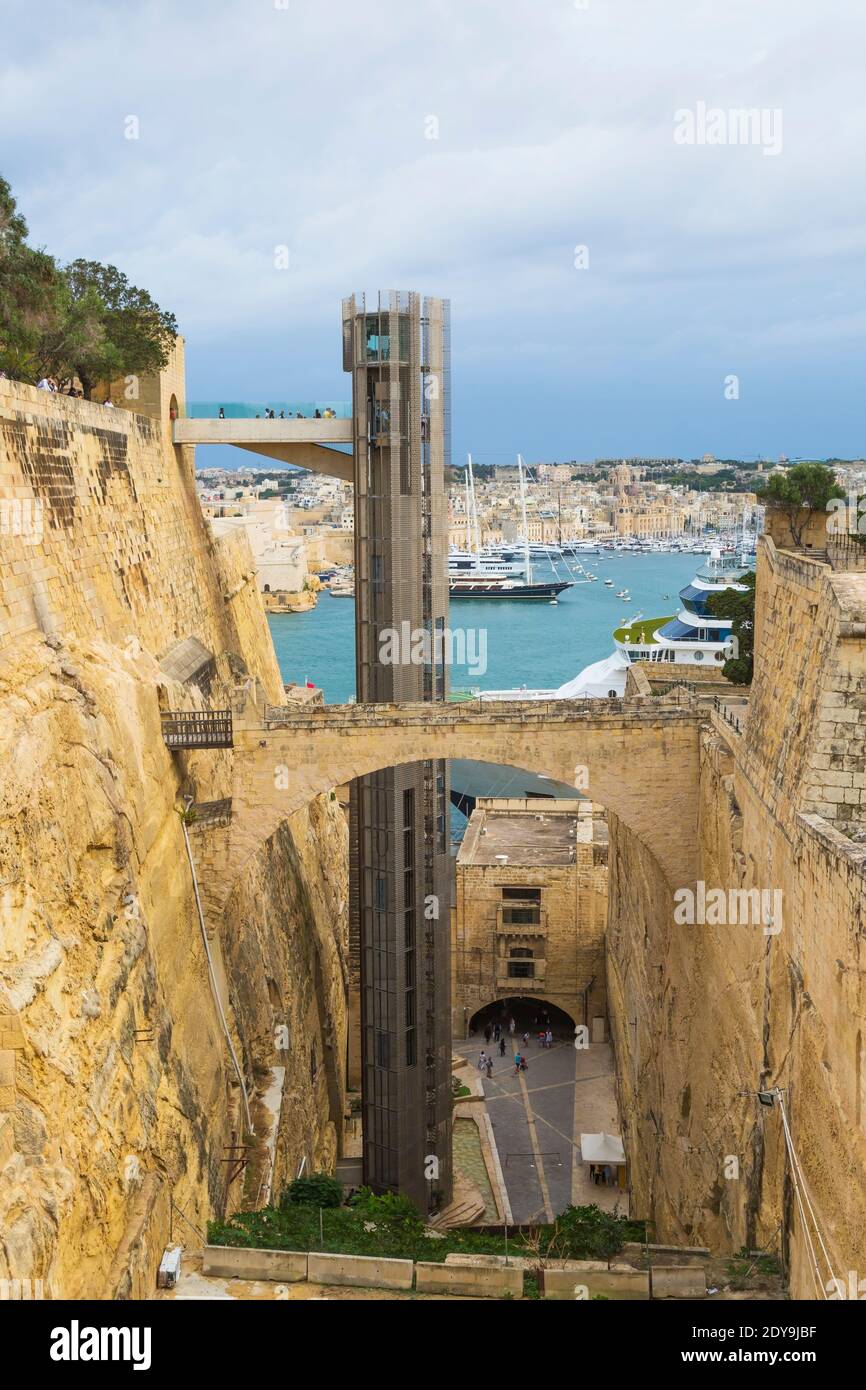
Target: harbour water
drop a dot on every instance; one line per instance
(527, 643)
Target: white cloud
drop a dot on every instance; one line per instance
(305, 126)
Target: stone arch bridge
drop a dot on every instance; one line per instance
(638, 757)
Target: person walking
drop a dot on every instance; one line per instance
(497, 1029)
(482, 1061)
(489, 1067)
(549, 1038)
(525, 1039)
(487, 1032)
(502, 1047)
(511, 1026)
(517, 1060)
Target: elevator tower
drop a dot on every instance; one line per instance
(398, 352)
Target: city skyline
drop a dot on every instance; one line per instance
(610, 268)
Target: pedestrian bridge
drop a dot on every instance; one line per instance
(638, 757)
(309, 443)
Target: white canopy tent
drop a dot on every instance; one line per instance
(602, 1148)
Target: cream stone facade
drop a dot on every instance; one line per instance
(118, 1093)
(530, 908)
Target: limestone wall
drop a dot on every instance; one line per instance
(705, 1015)
(114, 1070)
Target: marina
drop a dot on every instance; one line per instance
(531, 644)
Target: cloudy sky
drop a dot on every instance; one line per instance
(471, 148)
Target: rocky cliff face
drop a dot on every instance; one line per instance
(119, 1101)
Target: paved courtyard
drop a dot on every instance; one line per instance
(538, 1118)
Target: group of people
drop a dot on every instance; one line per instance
(496, 1032)
(50, 383)
(326, 414)
(602, 1174)
(67, 388)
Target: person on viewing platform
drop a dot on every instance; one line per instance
(318, 414)
(108, 403)
(222, 414)
(298, 415)
(282, 415)
(44, 384)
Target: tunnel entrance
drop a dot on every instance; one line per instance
(530, 1015)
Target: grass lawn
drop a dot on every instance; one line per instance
(631, 632)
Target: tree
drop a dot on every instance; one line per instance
(740, 608)
(84, 320)
(800, 492)
(31, 294)
(113, 328)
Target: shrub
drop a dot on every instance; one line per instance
(318, 1190)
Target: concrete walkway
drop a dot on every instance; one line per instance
(538, 1118)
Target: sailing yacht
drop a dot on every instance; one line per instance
(492, 575)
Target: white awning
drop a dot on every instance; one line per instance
(602, 1148)
(598, 680)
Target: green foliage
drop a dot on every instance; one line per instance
(318, 1190)
(31, 294)
(113, 328)
(740, 608)
(388, 1207)
(84, 320)
(389, 1225)
(588, 1233)
(800, 492)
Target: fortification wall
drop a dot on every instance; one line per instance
(114, 1070)
(705, 1015)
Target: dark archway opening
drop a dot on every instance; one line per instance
(531, 1015)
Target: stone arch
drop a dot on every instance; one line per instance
(534, 999)
(641, 761)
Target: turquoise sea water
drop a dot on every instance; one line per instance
(533, 644)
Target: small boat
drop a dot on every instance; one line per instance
(609, 583)
(623, 593)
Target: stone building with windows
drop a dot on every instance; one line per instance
(531, 909)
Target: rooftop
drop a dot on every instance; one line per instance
(532, 833)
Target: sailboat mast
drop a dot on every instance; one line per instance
(527, 565)
(468, 512)
(474, 509)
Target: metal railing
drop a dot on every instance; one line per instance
(727, 714)
(197, 728)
